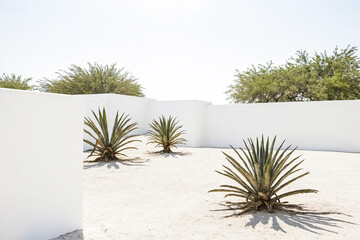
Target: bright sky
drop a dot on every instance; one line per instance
(183, 49)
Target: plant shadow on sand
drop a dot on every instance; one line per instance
(172, 154)
(308, 220)
(114, 164)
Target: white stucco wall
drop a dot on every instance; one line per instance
(40, 164)
(41, 141)
(143, 110)
(136, 107)
(92, 103)
(189, 113)
(326, 125)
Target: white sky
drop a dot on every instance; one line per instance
(177, 49)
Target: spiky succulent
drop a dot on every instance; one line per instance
(166, 133)
(108, 145)
(260, 174)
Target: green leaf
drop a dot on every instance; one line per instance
(166, 132)
(256, 173)
(106, 146)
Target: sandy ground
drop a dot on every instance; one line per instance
(166, 197)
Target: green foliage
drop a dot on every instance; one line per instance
(95, 79)
(166, 133)
(260, 174)
(15, 82)
(303, 78)
(107, 146)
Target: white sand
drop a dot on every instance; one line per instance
(166, 198)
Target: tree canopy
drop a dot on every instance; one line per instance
(323, 76)
(94, 79)
(15, 82)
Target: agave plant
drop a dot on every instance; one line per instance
(166, 133)
(260, 174)
(107, 146)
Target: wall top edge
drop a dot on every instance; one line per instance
(192, 100)
(38, 93)
(216, 105)
(105, 95)
(284, 103)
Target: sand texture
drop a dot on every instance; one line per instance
(166, 197)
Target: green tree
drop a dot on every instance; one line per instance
(15, 82)
(303, 78)
(95, 79)
(256, 84)
(337, 75)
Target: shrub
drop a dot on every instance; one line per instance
(260, 175)
(93, 79)
(107, 146)
(15, 82)
(166, 133)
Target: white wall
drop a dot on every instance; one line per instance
(136, 107)
(40, 164)
(143, 110)
(92, 103)
(190, 114)
(326, 125)
(41, 140)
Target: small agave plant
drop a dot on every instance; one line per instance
(260, 174)
(166, 133)
(108, 145)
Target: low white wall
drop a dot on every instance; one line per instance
(143, 110)
(136, 107)
(41, 140)
(92, 103)
(189, 113)
(40, 164)
(326, 125)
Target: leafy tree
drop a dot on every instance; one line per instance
(303, 78)
(95, 79)
(15, 82)
(338, 75)
(259, 84)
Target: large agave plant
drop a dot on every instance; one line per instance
(166, 133)
(260, 174)
(108, 145)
